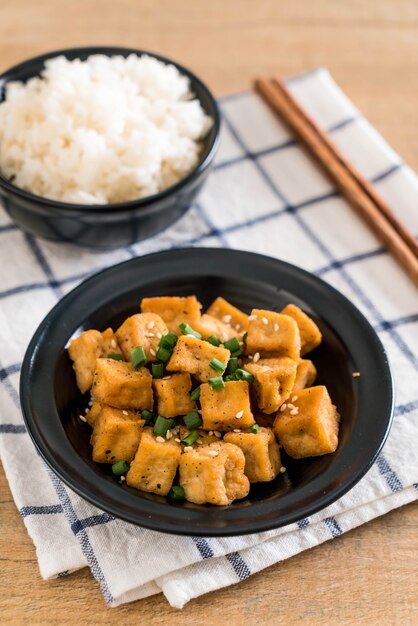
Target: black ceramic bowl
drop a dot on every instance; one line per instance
(108, 225)
(52, 403)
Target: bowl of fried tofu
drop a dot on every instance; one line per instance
(207, 392)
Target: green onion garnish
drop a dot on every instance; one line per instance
(192, 420)
(115, 356)
(138, 357)
(195, 394)
(168, 341)
(255, 428)
(244, 338)
(217, 365)
(236, 353)
(177, 493)
(163, 354)
(216, 383)
(157, 370)
(119, 468)
(214, 340)
(147, 415)
(230, 377)
(243, 375)
(232, 344)
(232, 365)
(194, 435)
(162, 425)
(185, 329)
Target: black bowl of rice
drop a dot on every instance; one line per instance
(103, 146)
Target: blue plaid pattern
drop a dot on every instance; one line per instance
(265, 195)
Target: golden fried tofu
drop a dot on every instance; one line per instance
(172, 395)
(155, 464)
(209, 325)
(120, 385)
(214, 474)
(272, 334)
(174, 310)
(229, 314)
(310, 335)
(261, 451)
(84, 351)
(226, 408)
(93, 412)
(305, 374)
(142, 329)
(116, 435)
(273, 381)
(194, 355)
(308, 426)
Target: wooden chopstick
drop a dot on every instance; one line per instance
(361, 195)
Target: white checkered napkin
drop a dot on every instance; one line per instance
(267, 196)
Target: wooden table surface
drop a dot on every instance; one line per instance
(367, 576)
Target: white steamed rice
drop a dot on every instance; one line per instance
(105, 130)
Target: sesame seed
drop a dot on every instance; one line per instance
(177, 439)
(122, 478)
(153, 353)
(151, 324)
(160, 439)
(210, 432)
(83, 419)
(250, 356)
(187, 449)
(276, 328)
(252, 317)
(168, 434)
(294, 398)
(355, 374)
(294, 411)
(213, 452)
(237, 326)
(224, 336)
(227, 319)
(237, 430)
(125, 412)
(217, 433)
(166, 378)
(264, 320)
(256, 357)
(283, 407)
(159, 335)
(199, 441)
(113, 343)
(239, 415)
(91, 401)
(290, 405)
(282, 469)
(199, 411)
(149, 335)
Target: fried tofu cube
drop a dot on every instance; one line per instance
(226, 408)
(142, 329)
(209, 325)
(84, 351)
(229, 314)
(155, 464)
(214, 474)
(261, 451)
(194, 355)
(273, 381)
(273, 334)
(174, 310)
(93, 412)
(310, 335)
(172, 395)
(120, 385)
(309, 425)
(305, 374)
(116, 435)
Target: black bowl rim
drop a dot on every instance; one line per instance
(204, 161)
(152, 516)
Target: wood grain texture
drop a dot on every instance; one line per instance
(371, 47)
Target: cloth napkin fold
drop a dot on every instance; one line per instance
(264, 195)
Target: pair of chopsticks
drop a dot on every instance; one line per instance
(354, 187)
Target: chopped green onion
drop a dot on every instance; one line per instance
(115, 356)
(195, 394)
(168, 341)
(194, 435)
(177, 493)
(232, 365)
(216, 383)
(214, 340)
(147, 415)
(244, 338)
(163, 354)
(232, 344)
(185, 329)
(243, 375)
(236, 353)
(230, 377)
(119, 468)
(138, 357)
(255, 428)
(192, 420)
(157, 370)
(217, 365)
(162, 425)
